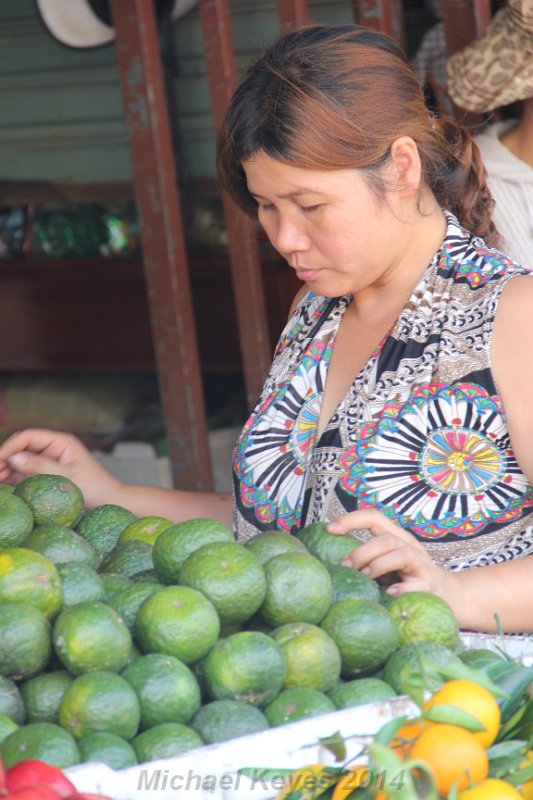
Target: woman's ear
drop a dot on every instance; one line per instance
(406, 166)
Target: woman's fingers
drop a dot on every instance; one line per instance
(367, 520)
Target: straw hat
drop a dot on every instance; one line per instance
(85, 23)
(497, 68)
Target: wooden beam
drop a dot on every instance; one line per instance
(243, 251)
(164, 254)
(292, 13)
(385, 16)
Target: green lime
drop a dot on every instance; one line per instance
(61, 545)
(166, 688)
(11, 704)
(25, 641)
(42, 741)
(361, 691)
(7, 726)
(327, 547)
(311, 656)
(42, 695)
(30, 579)
(16, 520)
(266, 545)
(404, 669)
(230, 576)
(172, 549)
(102, 747)
(364, 632)
(348, 582)
(113, 583)
(128, 558)
(296, 703)
(80, 583)
(247, 666)
(144, 529)
(221, 720)
(51, 498)
(424, 617)
(177, 621)
(100, 701)
(128, 601)
(165, 741)
(91, 636)
(102, 527)
(298, 589)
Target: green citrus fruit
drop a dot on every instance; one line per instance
(172, 549)
(128, 601)
(42, 741)
(361, 691)
(266, 545)
(42, 695)
(404, 669)
(311, 656)
(147, 576)
(11, 704)
(102, 747)
(327, 547)
(298, 589)
(128, 558)
(296, 703)
(16, 520)
(230, 576)
(102, 526)
(221, 720)
(247, 666)
(348, 582)
(30, 579)
(424, 617)
(364, 632)
(6, 487)
(177, 621)
(91, 636)
(25, 641)
(61, 545)
(7, 726)
(80, 584)
(144, 529)
(165, 741)
(100, 701)
(166, 688)
(51, 498)
(113, 583)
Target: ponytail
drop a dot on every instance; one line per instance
(457, 176)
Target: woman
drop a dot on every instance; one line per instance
(384, 407)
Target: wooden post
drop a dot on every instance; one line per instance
(163, 247)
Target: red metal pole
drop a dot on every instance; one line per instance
(292, 13)
(164, 254)
(385, 16)
(243, 252)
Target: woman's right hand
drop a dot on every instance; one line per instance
(37, 450)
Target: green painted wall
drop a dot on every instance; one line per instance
(61, 109)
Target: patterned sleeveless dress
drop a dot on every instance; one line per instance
(420, 435)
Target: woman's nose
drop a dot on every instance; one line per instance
(290, 237)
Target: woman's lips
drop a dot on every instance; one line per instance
(306, 274)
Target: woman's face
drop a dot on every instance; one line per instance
(328, 224)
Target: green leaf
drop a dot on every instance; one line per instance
(336, 745)
(452, 715)
(389, 730)
(512, 747)
(459, 671)
(522, 775)
(515, 684)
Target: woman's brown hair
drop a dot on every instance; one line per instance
(336, 97)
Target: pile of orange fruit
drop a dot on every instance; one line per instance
(441, 754)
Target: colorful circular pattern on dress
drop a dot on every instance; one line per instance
(441, 463)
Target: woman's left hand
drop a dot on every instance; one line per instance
(392, 550)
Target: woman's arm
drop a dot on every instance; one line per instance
(38, 450)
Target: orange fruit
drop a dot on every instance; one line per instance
(453, 755)
(491, 789)
(406, 736)
(475, 700)
(526, 789)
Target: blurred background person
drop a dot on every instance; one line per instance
(495, 73)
